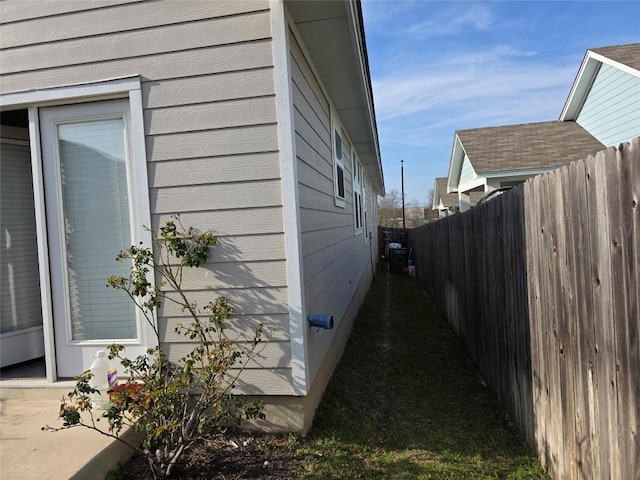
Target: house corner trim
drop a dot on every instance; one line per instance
(289, 179)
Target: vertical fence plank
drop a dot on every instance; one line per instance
(566, 297)
(534, 232)
(593, 374)
(583, 331)
(605, 330)
(469, 278)
(634, 320)
(554, 211)
(616, 360)
(525, 347)
(625, 306)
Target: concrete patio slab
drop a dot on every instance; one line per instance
(28, 452)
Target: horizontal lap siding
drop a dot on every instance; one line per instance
(334, 259)
(611, 111)
(77, 21)
(467, 170)
(19, 10)
(210, 124)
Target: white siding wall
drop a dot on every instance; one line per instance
(336, 263)
(467, 170)
(209, 111)
(611, 111)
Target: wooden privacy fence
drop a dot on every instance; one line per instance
(542, 286)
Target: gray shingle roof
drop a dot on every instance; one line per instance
(474, 197)
(626, 54)
(527, 146)
(447, 199)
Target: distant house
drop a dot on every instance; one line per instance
(444, 203)
(605, 96)
(415, 216)
(485, 159)
(430, 215)
(603, 109)
(252, 119)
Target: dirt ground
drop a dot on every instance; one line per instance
(229, 457)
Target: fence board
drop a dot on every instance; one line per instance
(626, 336)
(542, 286)
(581, 330)
(634, 320)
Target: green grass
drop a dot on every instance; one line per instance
(406, 403)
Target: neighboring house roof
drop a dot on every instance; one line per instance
(628, 55)
(623, 57)
(602, 109)
(525, 147)
(333, 34)
(474, 197)
(440, 194)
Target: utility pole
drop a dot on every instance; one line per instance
(404, 223)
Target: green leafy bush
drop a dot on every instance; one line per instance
(172, 404)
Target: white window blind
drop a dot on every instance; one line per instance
(20, 281)
(97, 225)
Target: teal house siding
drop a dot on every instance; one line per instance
(467, 170)
(611, 111)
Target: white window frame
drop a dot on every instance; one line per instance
(366, 200)
(338, 164)
(358, 210)
(32, 100)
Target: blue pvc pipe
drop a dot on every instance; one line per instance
(321, 321)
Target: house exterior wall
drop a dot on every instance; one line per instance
(467, 170)
(210, 130)
(337, 262)
(611, 111)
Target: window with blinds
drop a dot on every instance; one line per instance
(19, 275)
(357, 194)
(97, 224)
(338, 161)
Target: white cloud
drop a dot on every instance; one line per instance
(452, 21)
(493, 79)
(380, 16)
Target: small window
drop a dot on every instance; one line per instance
(366, 202)
(338, 156)
(357, 194)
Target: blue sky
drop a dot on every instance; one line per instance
(442, 66)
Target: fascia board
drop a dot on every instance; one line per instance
(516, 173)
(357, 31)
(436, 196)
(613, 63)
(471, 184)
(486, 177)
(455, 165)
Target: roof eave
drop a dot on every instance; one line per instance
(455, 164)
(584, 80)
(344, 72)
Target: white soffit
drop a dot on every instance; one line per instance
(329, 33)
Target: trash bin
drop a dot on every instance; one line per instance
(397, 260)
